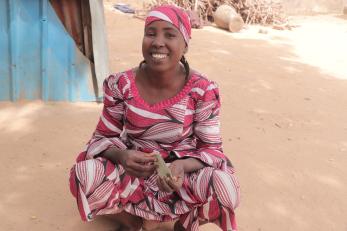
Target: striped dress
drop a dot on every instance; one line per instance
(186, 125)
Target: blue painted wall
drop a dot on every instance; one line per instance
(5, 79)
(38, 58)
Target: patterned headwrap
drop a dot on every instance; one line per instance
(174, 15)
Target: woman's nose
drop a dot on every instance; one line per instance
(158, 41)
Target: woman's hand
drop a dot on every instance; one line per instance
(173, 183)
(136, 163)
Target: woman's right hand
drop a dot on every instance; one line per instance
(136, 163)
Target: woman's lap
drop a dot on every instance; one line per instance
(103, 188)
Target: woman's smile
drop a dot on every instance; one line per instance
(159, 56)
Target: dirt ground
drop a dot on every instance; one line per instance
(284, 126)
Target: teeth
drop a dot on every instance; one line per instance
(159, 56)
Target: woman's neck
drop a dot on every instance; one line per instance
(165, 79)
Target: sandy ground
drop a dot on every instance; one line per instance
(284, 126)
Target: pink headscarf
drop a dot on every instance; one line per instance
(174, 15)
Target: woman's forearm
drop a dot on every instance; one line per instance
(191, 164)
(112, 154)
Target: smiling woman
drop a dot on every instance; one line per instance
(162, 44)
(161, 107)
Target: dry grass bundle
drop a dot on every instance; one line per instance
(266, 12)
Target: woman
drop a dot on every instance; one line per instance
(161, 106)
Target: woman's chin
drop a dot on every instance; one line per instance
(157, 66)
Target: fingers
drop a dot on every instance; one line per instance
(131, 172)
(163, 186)
(142, 167)
(150, 154)
(139, 174)
(143, 157)
(172, 184)
(140, 164)
(175, 182)
(139, 170)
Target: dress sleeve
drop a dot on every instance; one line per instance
(207, 129)
(109, 128)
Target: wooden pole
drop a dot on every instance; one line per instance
(196, 5)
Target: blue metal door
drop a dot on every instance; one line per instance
(38, 58)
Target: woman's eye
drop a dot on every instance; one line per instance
(150, 34)
(169, 35)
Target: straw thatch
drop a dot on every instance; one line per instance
(266, 12)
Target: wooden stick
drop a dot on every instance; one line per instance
(196, 5)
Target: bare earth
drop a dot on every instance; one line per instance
(284, 126)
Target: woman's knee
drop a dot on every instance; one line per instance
(226, 188)
(87, 174)
(72, 182)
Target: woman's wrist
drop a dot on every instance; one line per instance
(190, 164)
(181, 162)
(113, 154)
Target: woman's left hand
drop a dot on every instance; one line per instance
(173, 183)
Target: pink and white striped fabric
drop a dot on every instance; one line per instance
(174, 15)
(186, 125)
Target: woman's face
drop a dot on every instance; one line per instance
(163, 46)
